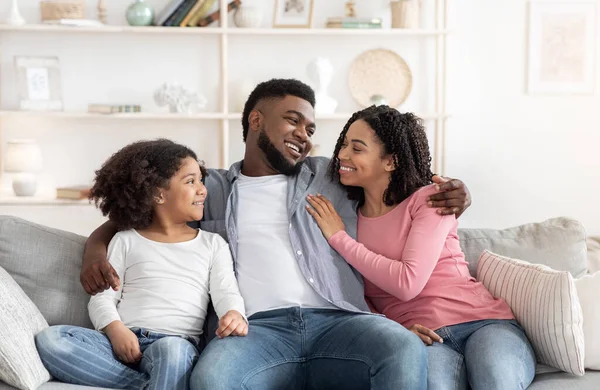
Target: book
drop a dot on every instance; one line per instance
(113, 108)
(75, 22)
(74, 192)
(176, 18)
(354, 22)
(201, 13)
(167, 12)
(353, 25)
(215, 15)
(194, 9)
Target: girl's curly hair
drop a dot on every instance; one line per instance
(126, 184)
(404, 138)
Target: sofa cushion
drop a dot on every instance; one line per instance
(544, 302)
(587, 291)
(563, 381)
(559, 243)
(46, 262)
(593, 244)
(20, 322)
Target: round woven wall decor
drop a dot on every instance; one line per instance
(380, 72)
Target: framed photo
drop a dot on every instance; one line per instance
(561, 47)
(38, 82)
(293, 13)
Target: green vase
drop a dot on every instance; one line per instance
(140, 13)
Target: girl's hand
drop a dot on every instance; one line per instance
(325, 215)
(124, 342)
(427, 335)
(232, 324)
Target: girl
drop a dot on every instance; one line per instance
(148, 331)
(415, 271)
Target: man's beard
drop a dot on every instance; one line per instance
(275, 158)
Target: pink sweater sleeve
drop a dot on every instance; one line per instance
(404, 278)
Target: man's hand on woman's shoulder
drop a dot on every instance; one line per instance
(452, 197)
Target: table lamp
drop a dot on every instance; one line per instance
(24, 158)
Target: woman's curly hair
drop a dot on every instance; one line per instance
(404, 138)
(126, 184)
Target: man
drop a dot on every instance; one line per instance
(309, 325)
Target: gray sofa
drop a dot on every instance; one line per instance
(45, 262)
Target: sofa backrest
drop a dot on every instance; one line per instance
(46, 262)
(559, 243)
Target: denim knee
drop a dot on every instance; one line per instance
(174, 351)
(207, 376)
(50, 340)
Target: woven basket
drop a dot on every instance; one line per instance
(53, 10)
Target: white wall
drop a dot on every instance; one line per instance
(524, 158)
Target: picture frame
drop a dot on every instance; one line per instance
(39, 83)
(561, 52)
(293, 13)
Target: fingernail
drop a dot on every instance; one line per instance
(441, 341)
(437, 187)
(430, 204)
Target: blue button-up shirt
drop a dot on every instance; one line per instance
(321, 265)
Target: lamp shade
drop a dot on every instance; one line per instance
(23, 155)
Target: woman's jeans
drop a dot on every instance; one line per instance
(488, 354)
(85, 357)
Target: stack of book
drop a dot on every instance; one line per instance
(348, 22)
(74, 192)
(191, 13)
(113, 108)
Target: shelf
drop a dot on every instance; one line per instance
(344, 116)
(128, 115)
(166, 116)
(218, 30)
(12, 200)
(333, 31)
(110, 29)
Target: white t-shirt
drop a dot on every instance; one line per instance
(166, 286)
(268, 274)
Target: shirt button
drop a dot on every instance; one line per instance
(311, 280)
(299, 253)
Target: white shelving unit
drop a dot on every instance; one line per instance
(224, 116)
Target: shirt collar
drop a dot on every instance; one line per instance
(234, 171)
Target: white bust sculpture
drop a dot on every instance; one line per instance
(320, 72)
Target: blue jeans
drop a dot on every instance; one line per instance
(298, 348)
(85, 357)
(488, 354)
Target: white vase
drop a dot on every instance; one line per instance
(14, 17)
(247, 16)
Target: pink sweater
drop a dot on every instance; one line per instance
(415, 271)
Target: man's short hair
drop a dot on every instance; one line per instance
(273, 89)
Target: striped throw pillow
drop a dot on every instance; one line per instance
(20, 322)
(544, 301)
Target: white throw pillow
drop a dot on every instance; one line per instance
(544, 301)
(587, 291)
(20, 322)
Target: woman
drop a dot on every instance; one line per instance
(415, 271)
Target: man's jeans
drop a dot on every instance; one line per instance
(298, 348)
(488, 354)
(85, 357)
